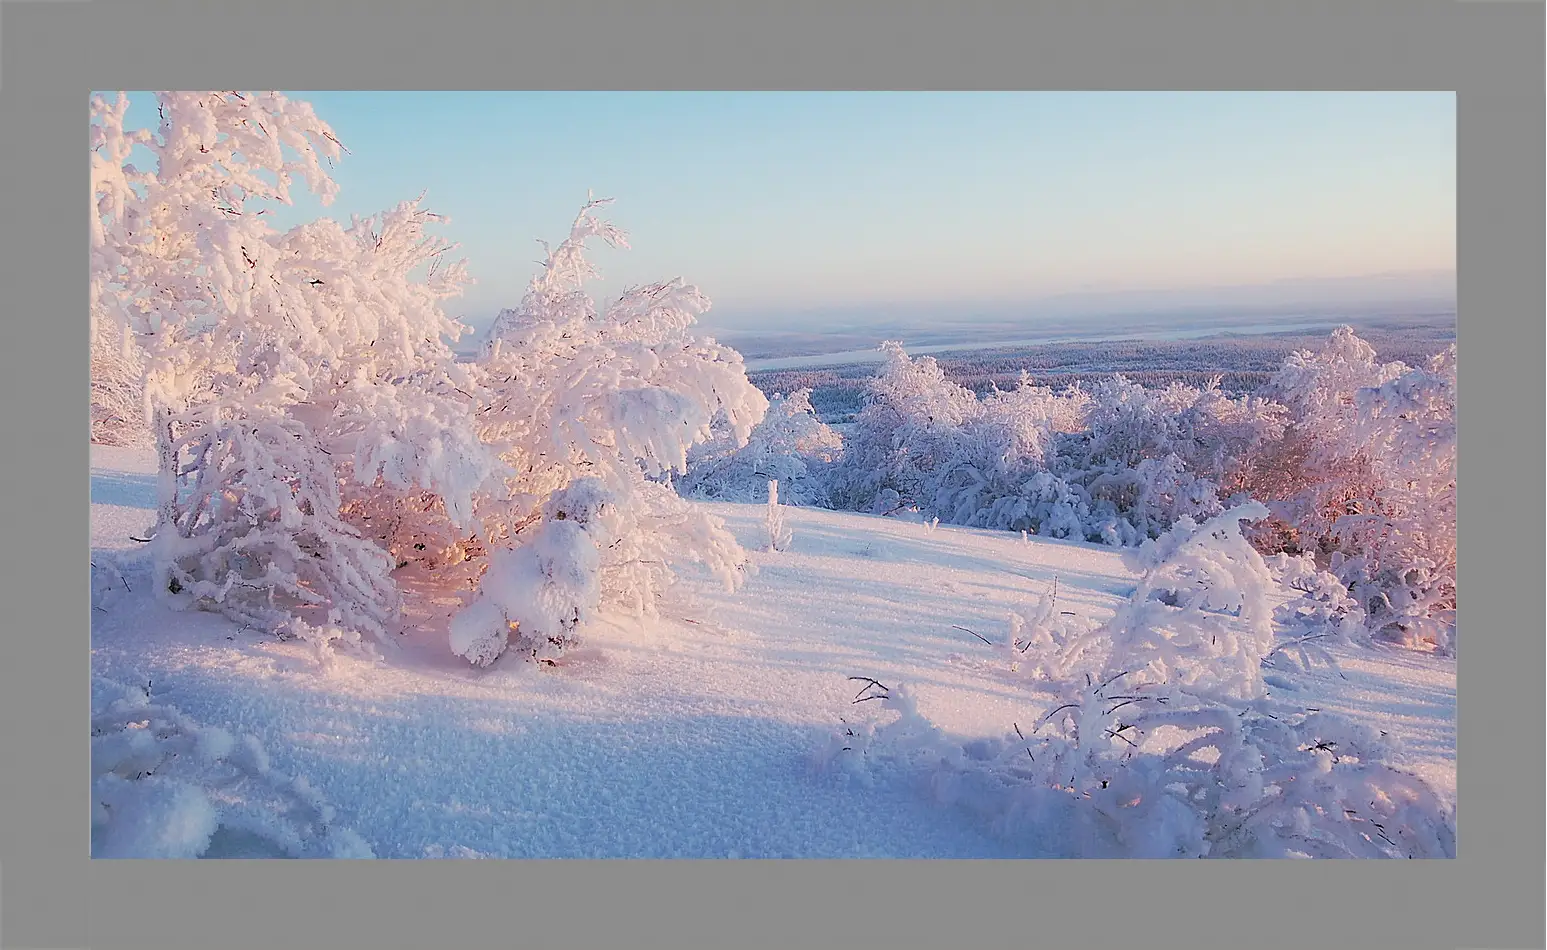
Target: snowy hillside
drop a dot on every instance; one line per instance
(706, 732)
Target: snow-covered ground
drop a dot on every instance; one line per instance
(692, 735)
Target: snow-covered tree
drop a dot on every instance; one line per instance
(1151, 457)
(616, 397)
(1404, 570)
(288, 373)
(1119, 464)
(117, 385)
(1318, 470)
(1364, 479)
(910, 411)
(1128, 423)
(791, 446)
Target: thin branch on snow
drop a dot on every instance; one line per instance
(973, 632)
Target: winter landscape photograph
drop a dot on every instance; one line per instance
(773, 475)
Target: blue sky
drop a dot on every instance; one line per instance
(784, 202)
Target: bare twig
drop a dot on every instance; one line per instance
(974, 633)
(1023, 739)
(1296, 642)
(1053, 713)
(1118, 734)
(869, 684)
(1114, 679)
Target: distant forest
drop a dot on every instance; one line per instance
(1242, 361)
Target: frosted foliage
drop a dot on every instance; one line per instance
(1129, 424)
(541, 591)
(1161, 743)
(1323, 611)
(176, 250)
(600, 404)
(314, 431)
(910, 412)
(294, 378)
(1131, 505)
(1354, 458)
(790, 446)
(1200, 617)
(1118, 464)
(1155, 456)
(1320, 470)
(595, 546)
(612, 395)
(1118, 773)
(1405, 568)
(165, 786)
(117, 386)
(1364, 480)
(260, 535)
(1319, 389)
(1034, 412)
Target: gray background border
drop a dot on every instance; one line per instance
(54, 896)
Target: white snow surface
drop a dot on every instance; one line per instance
(693, 734)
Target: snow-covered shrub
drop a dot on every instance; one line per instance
(1128, 506)
(261, 537)
(1221, 435)
(902, 434)
(1046, 645)
(595, 544)
(1406, 570)
(1042, 503)
(1164, 772)
(1119, 464)
(1128, 423)
(590, 411)
(779, 534)
(1036, 412)
(1364, 479)
(1318, 471)
(1324, 611)
(541, 591)
(1200, 617)
(1151, 457)
(117, 386)
(620, 394)
(990, 474)
(1210, 432)
(1161, 742)
(791, 446)
(290, 374)
(924, 442)
(165, 786)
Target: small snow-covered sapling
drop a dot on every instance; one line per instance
(779, 534)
